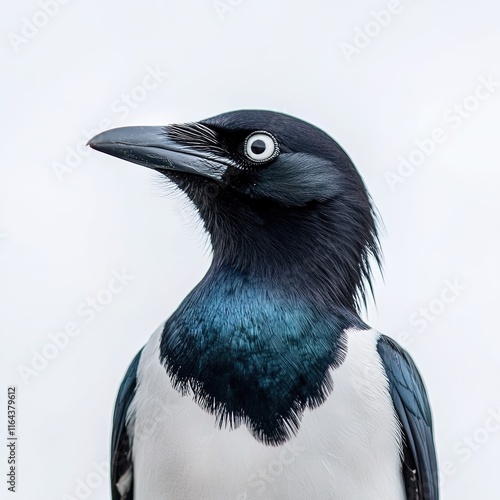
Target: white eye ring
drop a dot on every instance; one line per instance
(261, 146)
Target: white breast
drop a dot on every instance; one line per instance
(346, 449)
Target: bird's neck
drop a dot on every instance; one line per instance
(250, 352)
(320, 249)
(310, 267)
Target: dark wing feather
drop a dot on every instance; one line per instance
(412, 407)
(122, 472)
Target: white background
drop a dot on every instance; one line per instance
(62, 236)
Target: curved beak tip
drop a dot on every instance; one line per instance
(92, 143)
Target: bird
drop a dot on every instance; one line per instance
(265, 382)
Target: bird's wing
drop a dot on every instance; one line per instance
(122, 473)
(412, 407)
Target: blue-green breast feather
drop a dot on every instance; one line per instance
(250, 354)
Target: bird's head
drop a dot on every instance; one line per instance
(280, 199)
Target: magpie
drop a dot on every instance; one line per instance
(265, 382)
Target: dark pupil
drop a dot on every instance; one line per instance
(258, 146)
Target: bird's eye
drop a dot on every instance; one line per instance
(261, 146)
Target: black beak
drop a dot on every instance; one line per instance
(153, 148)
